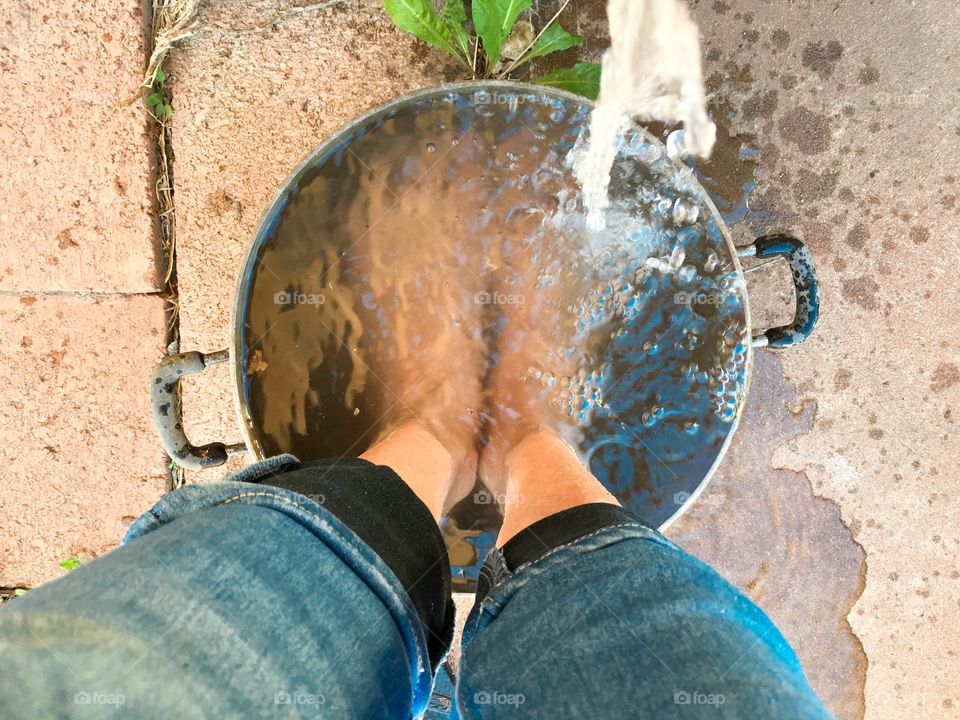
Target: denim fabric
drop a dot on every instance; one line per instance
(235, 600)
(227, 600)
(257, 472)
(562, 528)
(622, 623)
(374, 502)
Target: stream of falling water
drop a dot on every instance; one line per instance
(651, 72)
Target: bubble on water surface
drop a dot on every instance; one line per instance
(685, 212)
(675, 145)
(677, 257)
(711, 262)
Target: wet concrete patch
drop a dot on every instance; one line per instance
(946, 375)
(761, 104)
(822, 57)
(861, 290)
(812, 186)
(857, 236)
(808, 130)
(780, 39)
(766, 531)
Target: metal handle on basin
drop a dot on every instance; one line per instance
(805, 282)
(167, 416)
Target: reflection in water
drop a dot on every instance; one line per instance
(402, 238)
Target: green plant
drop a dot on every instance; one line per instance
(501, 43)
(71, 563)
(582, 79)
(20, 592)
(157, 100)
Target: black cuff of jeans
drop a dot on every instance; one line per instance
(387, 515)
(566, 526)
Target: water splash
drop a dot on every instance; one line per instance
(651, 72)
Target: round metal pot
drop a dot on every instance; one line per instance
(668, 417)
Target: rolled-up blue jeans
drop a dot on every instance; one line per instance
(259, 598)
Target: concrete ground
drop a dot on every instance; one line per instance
(82, 322)
(833, 509)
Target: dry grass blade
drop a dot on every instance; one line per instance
(173, 20)
(165, 204)
(517, 61)
(176, 20)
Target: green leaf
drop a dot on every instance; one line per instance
(154, 99)
(455, 17)
(167, 112)
(159, 76)
(582, 79)
(20, 592)
(418, 17)
(554, 39)
(494, 20)
(71, 563)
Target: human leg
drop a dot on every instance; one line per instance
(323, 593)
(588, 612)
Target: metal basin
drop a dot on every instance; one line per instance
(655, 306)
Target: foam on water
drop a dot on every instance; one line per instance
(651, 72)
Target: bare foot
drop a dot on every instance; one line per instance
(434, 382)
(525, 393)
(528, 461)
(424, 326)
(423, 463)
(544, 476)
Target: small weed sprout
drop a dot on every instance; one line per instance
(496, 44)
(71, 563)
(157, 99)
